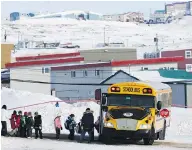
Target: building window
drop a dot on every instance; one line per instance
(85, 73)
(42, 70)
(189, 67)
(188, 54)
(97, 72)
(73, 74)
(46, 70)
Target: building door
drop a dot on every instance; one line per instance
(178, 94)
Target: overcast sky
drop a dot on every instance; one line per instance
(103, 7)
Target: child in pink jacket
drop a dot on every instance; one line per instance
(58, 127)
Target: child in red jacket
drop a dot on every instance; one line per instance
(15, 123)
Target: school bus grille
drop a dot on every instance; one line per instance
(126, 124)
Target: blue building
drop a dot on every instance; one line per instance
(14, 16)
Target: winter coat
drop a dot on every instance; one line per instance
(57, 122)
(13, 121)
(4, 115)
(22, 121)
(18, 121)
(71, 123)
(29, 122)
(37, 121)
(87, 120)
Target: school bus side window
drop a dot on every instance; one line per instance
(170, 99)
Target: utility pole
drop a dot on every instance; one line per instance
(108, 40)
(5, 36)
(104, 35)
(157, 44)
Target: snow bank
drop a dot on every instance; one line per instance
(13, 98)
(181, 126)
(181, 118)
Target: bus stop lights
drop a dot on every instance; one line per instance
(147, 91)
(115, 89)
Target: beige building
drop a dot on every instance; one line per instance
(125, 17)
(6, 54)
(108, 54)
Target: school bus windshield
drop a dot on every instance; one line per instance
(131, 100)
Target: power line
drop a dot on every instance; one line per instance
(33, 81)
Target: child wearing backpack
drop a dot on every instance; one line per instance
(70, 125)
(58, 127)
(29, 125)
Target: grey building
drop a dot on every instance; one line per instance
(181, 93)
(108, 54)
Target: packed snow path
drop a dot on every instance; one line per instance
(9, 143)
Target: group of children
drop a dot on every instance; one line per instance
(86, 124)
(22, 125)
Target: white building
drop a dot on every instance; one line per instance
(80, 81)
(159, 16)
(73, 14)
(113, 17)
(32, 73)
(125, 17)
(179, 8)
(132, 17)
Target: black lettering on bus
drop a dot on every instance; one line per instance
(130, 89)
(137, 90)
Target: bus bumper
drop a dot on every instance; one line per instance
(113, 133)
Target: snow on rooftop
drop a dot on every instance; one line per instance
(35, 52)
(153, 76)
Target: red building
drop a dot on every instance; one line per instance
(186, 53)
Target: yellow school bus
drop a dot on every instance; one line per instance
(136, 111)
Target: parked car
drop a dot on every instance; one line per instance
(5, 76)
(69, 45)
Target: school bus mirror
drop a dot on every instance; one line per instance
(98, 94)
(159, 105)
(105, 108)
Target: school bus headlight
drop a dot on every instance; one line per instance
(108, 124)
(145, 126)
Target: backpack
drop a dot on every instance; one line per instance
(66, 124)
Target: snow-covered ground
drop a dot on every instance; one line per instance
(177, 35)
(46, 144)
(179, 135)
